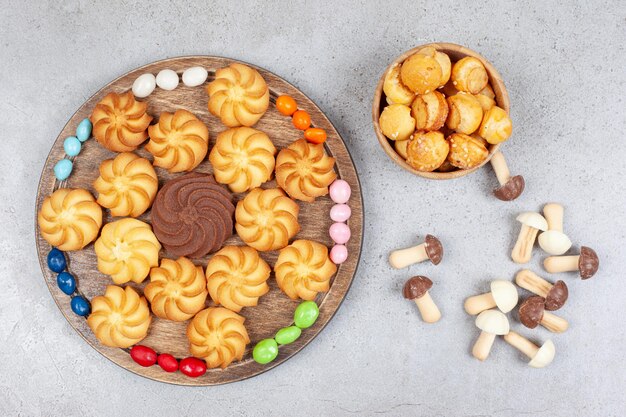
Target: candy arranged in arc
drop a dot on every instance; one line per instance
(167, 362)
(83, 130)
(306, 314)
(265, 351)
(167, 79)
(143, 355)
(195, 76)
(192, 367)
(338, 254)
(71, 146)
(340, 212)
(340, 191)
(192, 215)
(287, 335)
(144, 85)
(56, 260)
(80, 305)
(63, 169)
(339, 233)
(66, 282)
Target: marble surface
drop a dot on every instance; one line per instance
(564, 69)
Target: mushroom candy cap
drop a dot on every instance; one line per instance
(531, 311)
(434, 249)
(511, 189)
(416, 287)
(504, 294)
(588, 262)
(493, 321)
(532, 219)
(544, 356)
(557, 296)
(554, 242)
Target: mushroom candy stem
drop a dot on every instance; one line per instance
(539, 356)
(503, 295)
(586, 263)
(532, 313)
(555, 295)
(431, 249)
(491, 323)
(531, 224)
(416, 289)
(553, 213)
(510, 187)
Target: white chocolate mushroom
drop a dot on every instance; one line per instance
(503, 295)
(491, 323)
(554, 241)
(431, 249)
(539, 356)
(531, 224)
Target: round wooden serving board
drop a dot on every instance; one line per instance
(275, 309)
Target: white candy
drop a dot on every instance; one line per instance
(194, 76)
(144, 85)
(167, 79)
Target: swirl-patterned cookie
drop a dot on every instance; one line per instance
(267, 219)
(218, 336)
(192, 215)
(120, 317)
(126, 250)
(179, 142)
(70, 219)
(236, 277)
(120, 122)
(239, 95)
(177, 289)
(304, 170)
(127, 185)
(303, 269)
(242, 158)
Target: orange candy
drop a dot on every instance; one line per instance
(315, 135)
(301, 120)
(286, 105)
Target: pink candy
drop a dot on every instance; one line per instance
(338, 254)
(340, 191)
(340, 212)
(339, 233)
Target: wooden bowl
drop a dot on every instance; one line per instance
(455, 52)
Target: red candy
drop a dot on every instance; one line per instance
(192, 367)
(143, 355)
(167, 362)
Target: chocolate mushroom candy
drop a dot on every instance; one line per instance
(510, 187)
(431, 249)
(586, 263)
(532, 313)
(503, 295)
(539, 356)
(555, 294)
(491, 323)
(416, 289)
(532, 223)
(554, 241)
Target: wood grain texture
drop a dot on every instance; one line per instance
(455, 52)
(275, 309)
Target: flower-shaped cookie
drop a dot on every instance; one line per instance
(179, 142)
(120, 317)
(303, 269)
(243, 158)
(218, 336)
(177, 289)
(120, 122)
(238, 96)
(127, 185)
(126, 250)
(70, 219)
(236, 277)
(304, 170)
(267, 219)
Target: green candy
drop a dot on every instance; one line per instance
(306, 314)
(265, 351)
(287, 335)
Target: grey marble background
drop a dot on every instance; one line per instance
(564, 69)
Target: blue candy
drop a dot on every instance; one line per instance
(63, 169)
(80, 306)
(72, 146)
(83, 131)
(56, 260)
(66, 283)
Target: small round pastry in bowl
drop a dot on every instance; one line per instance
(396, 122)
(464, 114)
(470, 75)
(465, 151)
(396, 92)
(427, 150)
(430, 111)
(496, 126)
(442, 58)
(421, 73)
